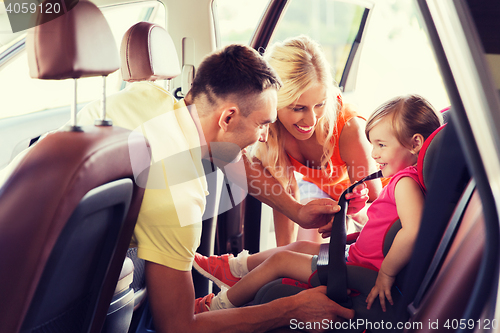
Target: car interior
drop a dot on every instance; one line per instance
(69, 203)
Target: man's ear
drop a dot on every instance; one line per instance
(226, 118)
(417, 141)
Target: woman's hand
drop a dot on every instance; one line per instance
(382, 289)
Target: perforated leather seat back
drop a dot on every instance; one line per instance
(70, 285)
(39, 198)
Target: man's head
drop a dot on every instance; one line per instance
(235, 93)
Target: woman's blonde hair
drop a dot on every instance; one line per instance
(300, 63)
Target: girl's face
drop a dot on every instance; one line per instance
(387, 151)
(301, 118)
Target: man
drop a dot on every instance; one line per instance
(231, 103)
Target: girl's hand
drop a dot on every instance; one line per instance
(382, 289)
(357, 199)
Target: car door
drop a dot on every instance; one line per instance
(465, 37)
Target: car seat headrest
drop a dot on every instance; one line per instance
(74, 45)
(427, 155)
(148, 53)
(445, 113)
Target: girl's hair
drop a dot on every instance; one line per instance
(411, 114)
(300, 63)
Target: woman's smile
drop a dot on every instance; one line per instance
(304, 129)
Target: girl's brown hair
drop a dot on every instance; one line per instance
(411, 114)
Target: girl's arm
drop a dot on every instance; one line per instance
(409, 203)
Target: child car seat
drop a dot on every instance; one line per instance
(358, 278)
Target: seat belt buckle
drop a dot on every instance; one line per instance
(412, 310)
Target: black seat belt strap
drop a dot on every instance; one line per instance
(332, 269)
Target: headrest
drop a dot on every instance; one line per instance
(76, 44)
(427, 155)
(148, 53)
(446, 114)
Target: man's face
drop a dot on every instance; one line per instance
(248, 130)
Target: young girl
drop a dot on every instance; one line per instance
(396, 130)
(316, 134)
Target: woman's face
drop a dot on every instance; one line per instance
(300, 119)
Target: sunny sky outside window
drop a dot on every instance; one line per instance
(396, 58)
(46, 94)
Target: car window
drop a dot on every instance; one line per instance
(332, 23)
(397, 58)
(396, 55)
(27, 95)
(236, 20)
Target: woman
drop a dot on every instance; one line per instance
(316, 134)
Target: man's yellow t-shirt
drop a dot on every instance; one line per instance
(169, 226)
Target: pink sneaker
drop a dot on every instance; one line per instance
(202, 304)
(216, 268)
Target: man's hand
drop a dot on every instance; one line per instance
(317, 213)
(315, 306)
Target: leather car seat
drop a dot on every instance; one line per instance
(70, 206)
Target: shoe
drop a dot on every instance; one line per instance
(216, 268)
(202, 304)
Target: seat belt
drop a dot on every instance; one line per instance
(332, 269)
(443, 247)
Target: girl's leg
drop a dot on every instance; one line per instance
(281, 264)
(305, 247)
(226, 270)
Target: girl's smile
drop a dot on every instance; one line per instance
(388, 152)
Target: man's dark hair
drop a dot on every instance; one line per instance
(235, 70)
